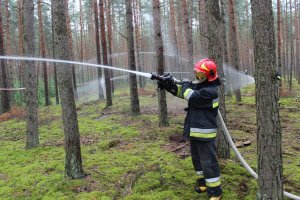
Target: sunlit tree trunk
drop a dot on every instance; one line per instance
(135, 105)
(98, 53)
(30, 78)
(43, 52)
(104, 54)
(73, 162)
(5, 104)
(267, 107)
(162, 101)
(234, 51)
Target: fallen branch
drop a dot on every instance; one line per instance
(180, 147)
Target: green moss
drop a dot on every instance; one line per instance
(124, 156)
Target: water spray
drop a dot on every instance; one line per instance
(147, 75)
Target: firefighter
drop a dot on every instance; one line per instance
(200, 125)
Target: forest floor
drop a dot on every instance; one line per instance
(131, 157)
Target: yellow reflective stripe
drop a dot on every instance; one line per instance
(216, 104)
(187, 94)
(203, 135)
(179, 91)
(214, 184)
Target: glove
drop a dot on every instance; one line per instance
(167, 83)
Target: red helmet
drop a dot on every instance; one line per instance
(206, 67)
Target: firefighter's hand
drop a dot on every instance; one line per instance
(170, 86)
(165, 82)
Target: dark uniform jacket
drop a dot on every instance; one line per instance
(200, 122)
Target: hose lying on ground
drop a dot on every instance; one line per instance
(237, 153)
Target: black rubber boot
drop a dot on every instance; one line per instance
(200, 185)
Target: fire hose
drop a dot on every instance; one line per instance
(244, 163)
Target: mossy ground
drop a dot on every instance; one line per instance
(130, 157)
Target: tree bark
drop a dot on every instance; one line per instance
(135, 105)
(9, 64)
(292, 48)
(105, 59)
(5, 104)
(297, 42)
(173, 38)
(54, 56)
(98, 54)
(70, 45)
(234, 48)
(203, 27)
(268, 121)
(30, 78)
(73, 162)
(43, 52)
(162, 101)
(188, 33)
(110, 39)
(215, 52)
(138, 40)
(279, 38)
(21, 43)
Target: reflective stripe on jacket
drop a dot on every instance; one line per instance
(200, 122)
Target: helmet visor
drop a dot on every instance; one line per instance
(200, 75)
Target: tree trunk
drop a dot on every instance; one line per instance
(30, 78)
(292, 48)
(21, 44)
(109, 37)
(268, 122)
(173, 38)
(279, 38)
(188, 33)
(5, 104)
(98, 53)
(73, 162)
(105, 60)
(54, 56)
(203, 27)
(135, 105)
(298, 42)
(138, 41)
(234, 48)
(9, 64)
(70, 45)
(162, 101)
(43, 52)
(214, 29)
